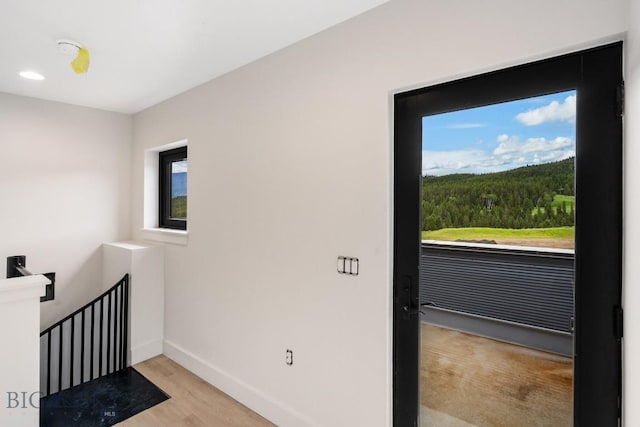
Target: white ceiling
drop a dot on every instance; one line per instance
(145, 51)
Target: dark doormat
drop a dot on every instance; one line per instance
(101, 402)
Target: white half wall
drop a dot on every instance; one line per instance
(290, 166)
(64, 184)
(145, 265)
(20, 337)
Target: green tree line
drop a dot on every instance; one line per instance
(518, 198)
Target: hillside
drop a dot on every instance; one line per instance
(527, 197)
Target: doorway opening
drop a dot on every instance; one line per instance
(507, 246)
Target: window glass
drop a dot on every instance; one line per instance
(179, 189)
(173, 188)
(502, 173)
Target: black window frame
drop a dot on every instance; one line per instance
(166, 159)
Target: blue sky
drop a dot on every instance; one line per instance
(500, 137)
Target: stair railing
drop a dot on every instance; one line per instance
(16, 267)
(87, 344)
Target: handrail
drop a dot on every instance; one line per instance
(106, 331)
(84, 307)
(16, 267)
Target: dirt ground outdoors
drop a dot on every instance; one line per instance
(475, 381)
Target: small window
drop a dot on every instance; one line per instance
(173, 188)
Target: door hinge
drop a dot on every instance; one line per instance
(620, 99)
(618, 322)
(620, 403)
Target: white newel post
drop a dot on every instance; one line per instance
(20, 351)
(145, 265)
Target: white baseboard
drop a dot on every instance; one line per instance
(146, 351)
(271, 409)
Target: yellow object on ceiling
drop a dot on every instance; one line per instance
(81, 63)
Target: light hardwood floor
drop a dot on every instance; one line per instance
(466, 381)
(193, 402)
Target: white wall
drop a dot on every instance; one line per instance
(145, 266)
(64, 186)
(290, 166)
(19, 332)
(632, 222)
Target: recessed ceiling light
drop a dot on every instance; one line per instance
(31, 75)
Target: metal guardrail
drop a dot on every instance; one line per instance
(87, 344)
(521, 295)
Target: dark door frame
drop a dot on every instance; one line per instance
(596, 74)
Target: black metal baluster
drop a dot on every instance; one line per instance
(101, 340)
(93, 325)
(72, 338)
(121, 325)
(48, 363)
(116, 331)
(60, 357)
(109, 335)
(115, 328)
(126, 319)
(82, 349)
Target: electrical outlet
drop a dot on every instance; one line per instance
(289, 357)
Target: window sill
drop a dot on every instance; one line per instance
(166, 235)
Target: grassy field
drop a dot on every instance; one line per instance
(179, 207)
(556, 204)
(485, 233)
(559, 198)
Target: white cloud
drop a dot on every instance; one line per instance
(179, 167)
(466, 126)
(510, 153)
(459, 161)
(555, 111)
(511, 145)
(534, 150)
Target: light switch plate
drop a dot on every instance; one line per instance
(348, 265)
